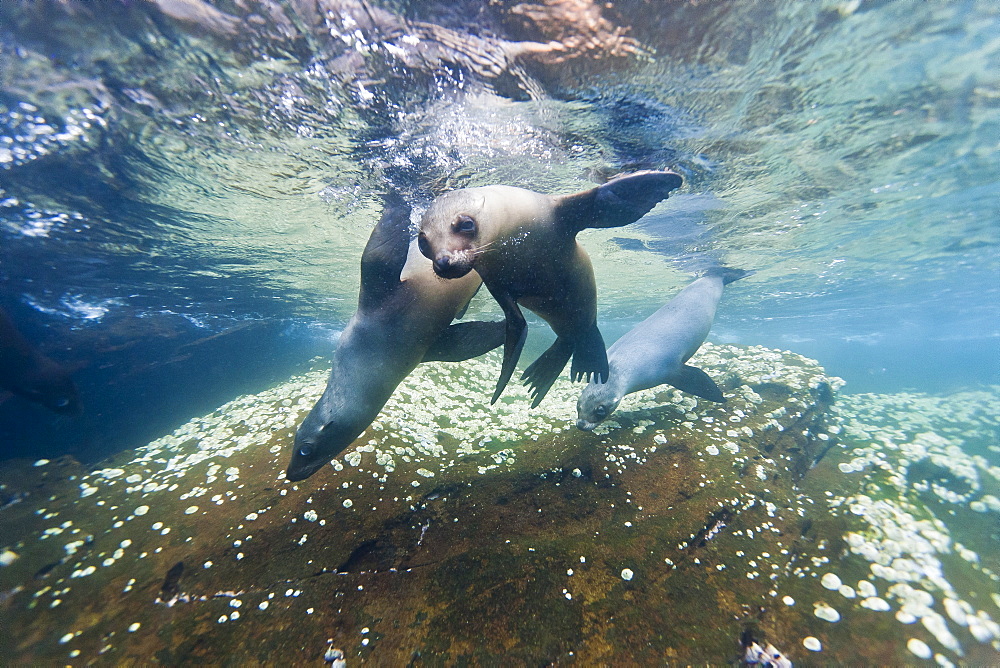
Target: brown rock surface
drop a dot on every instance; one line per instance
(453, 532)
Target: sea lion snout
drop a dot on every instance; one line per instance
(447, 266)
(447, 263)
(583, 425)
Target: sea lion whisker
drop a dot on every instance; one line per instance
(482, 249)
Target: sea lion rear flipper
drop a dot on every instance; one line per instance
(516, 331)
(465, 340)
(590, 357)
(386, 251)
(541, 373)
(729, 274)
(695, 381)
(618, 202)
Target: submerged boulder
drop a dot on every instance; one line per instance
(455, 531)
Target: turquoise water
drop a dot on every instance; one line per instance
(186, 186)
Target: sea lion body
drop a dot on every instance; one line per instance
(655, 351)
(552, 275)
(27, 373)
(403, 318)
(523, 244)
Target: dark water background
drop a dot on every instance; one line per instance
(186, 187)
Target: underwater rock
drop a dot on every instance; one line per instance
(457, 532)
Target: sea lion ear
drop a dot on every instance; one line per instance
(620, 201)
(478, 204)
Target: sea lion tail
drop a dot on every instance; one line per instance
(729, 274)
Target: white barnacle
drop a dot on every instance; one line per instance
(918, 648)
(831, 581)
(825, 612)
(627, 574)
(875, 603)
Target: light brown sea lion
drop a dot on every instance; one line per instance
(523, 245)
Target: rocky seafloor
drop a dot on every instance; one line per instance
(861, 530)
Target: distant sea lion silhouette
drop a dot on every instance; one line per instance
(403, 317)
(656, 350)
(27, 373)
(524, 246)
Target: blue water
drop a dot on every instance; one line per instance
(185, 187)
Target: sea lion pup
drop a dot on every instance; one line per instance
(524, 246)
(656, 350)
(403, 317)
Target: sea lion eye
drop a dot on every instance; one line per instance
(424, 246)
(464, 224)
(601, 411)
(305, 450)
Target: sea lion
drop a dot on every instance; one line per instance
(27, 373)
(655, 351)
(524, 246)
(403, 317)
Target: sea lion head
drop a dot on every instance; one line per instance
(451, 232)
(316, 444)
(51, 386)
(330, 427)
(596, 403)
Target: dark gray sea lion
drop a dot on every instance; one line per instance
(524, 246)
(656, 350)
(27, 373)
(403, 317)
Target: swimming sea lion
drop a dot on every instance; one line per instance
(654, 352)
(524, 246)
(27, 373)
(403, 317)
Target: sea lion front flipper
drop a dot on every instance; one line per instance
(461, 313)
(695, 381)
(590, 357)
(516, 332)
(466, 340)
(618, 202)
(541, 373)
